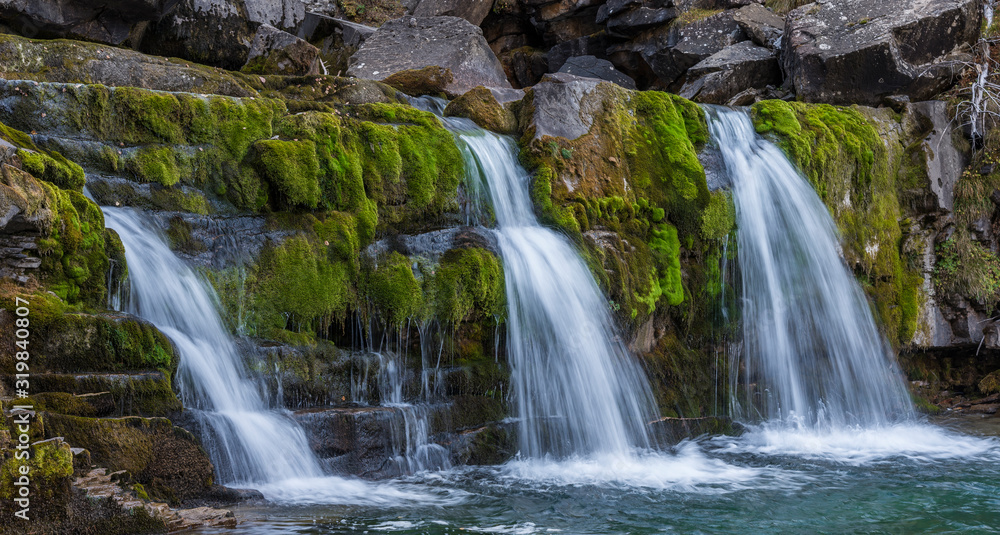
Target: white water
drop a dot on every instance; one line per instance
(250, 444)
(814, 366)
(811, 345)
(577, 389)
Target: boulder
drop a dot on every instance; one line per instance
(731, 71)
(762, 25)
(564, 106)
(474, 11)
(277, 52)
(111, 22)
(862, 51)
(525, 66)
(591, 45)
(601, 69)
(287, 15)
(337, 40)
(670, 51)
(447, 42)
(627, 18)
(212, 32)
(482, 107)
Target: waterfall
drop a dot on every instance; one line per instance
(248, 443)
(576, 388)
(812, 355)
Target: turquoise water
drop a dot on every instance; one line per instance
(942, 482)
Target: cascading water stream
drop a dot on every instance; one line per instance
(812, 354)
(577, 389)
(249, 443)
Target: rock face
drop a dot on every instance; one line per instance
(731, 71)
(447, 42)
(861, 51)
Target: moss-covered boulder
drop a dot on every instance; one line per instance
(481, 106)
(166, 460)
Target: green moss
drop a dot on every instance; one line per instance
(155, 164)
(479, 105)
(298, 288)
(990, 384)
(666, 249)
(292, 168)
(468, 285)
(50, 467)
(719, 217)
(394, 290)
(843, 156)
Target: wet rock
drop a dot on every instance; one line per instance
(592, 67)
(431, 80)
(762, 25)
(115, 394)
(860, 51)
(491, 444)
(447, 42)
(273, 51)
(668, 431)
(720, 77)
(212, 32)
(473, 11)
(482, 107)
(111, 22)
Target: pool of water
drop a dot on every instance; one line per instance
(905, 479)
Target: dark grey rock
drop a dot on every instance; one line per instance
(336, 39)
(762, 25)
(860, 51)
(111, 21)
(629, 18)
(591, 67)
(287, 15)
(473, 11)
(447, 42)
(720, 77)
(670, 51)
(591, 45)
(211, 32)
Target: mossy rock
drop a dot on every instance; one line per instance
(991, 383)
(479, 105)
(111, 394)
(75, 342)
(429, 80)
(164, 459)
(50, 467)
